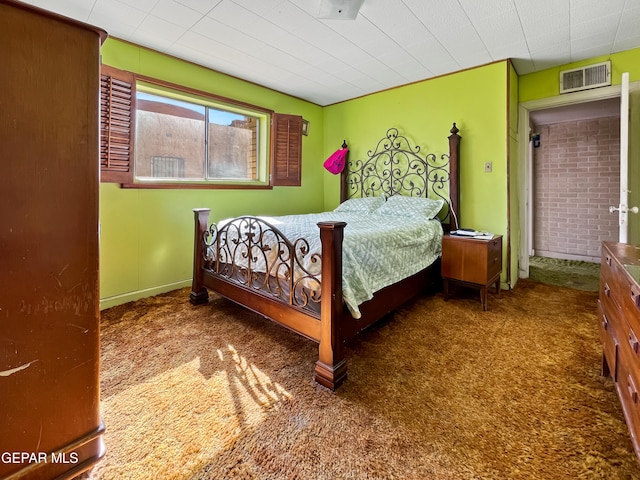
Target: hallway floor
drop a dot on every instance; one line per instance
(566, 273)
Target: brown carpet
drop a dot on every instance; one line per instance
(441, 390)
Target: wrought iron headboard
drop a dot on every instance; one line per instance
(395, 167)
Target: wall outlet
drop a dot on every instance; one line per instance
(488, 167)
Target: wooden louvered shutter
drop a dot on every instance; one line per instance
(117, 119)
(286, 165)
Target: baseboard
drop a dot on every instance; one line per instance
(138, 294)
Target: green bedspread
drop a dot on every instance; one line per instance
(378, 250)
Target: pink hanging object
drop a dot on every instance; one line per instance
(335, 163)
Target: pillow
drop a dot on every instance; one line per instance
(410, 206)
(360, 205)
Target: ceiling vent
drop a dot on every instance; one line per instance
(584, 78)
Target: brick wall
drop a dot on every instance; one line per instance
(576, 179)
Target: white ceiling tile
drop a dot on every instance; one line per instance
(149, 28)
(600, 42)
(199, 45)
(396, 21)
(144, 5)
(547, 43)
(202, 6)
(587, 10)
(363, 33)
(523, 65)
(430, 53)
(118, 18)
(176, 13)
(626, 43)
(413, 71)
(542, 8)
(628, 26)
(272, 55)
(487, 8)
(584, 53)
(606, 26)
(280, 43)
(224, 35)
(547, 58)
(78, 9)
(502, 33)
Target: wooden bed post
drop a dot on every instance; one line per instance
(331, 367)
(343, 176)
(454, 177)
(199, 293)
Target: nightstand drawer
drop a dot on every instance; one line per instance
(471, 260)
(494, 257)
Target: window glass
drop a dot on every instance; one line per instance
(170, 138)
(233, 140)
(179, 140)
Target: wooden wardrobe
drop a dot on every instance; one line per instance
(50, 425)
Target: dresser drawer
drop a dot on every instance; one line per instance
(629, 298)
(629, 344)
(609, 341)
(611, 276)
(609, 298)
(627, 387)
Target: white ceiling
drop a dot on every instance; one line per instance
(282, 45)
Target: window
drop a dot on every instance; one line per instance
(160, 135)
(214, 143)
(167, 167)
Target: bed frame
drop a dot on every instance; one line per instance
(308, 304)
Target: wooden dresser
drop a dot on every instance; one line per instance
(619, 326)
(50, 425)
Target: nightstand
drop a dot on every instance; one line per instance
(472, 262)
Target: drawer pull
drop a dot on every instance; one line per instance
(608, 260)
(633, 341)
(635, 297)
(607, 290)
(605, 322)
(633, 391)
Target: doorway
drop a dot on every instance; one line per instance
(575, 178)
(552, 111)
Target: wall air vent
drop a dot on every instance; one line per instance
(584, 78)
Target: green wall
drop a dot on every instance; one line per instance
(146, 241)
(147, 235)
(545, 84)
(475, 99)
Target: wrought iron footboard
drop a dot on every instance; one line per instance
(255, 255)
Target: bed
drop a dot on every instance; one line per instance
(305, 272)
